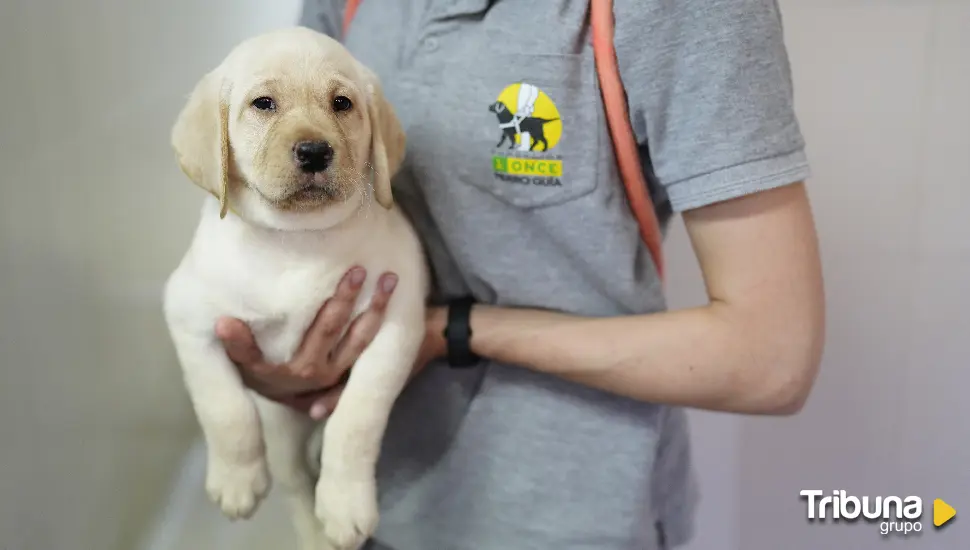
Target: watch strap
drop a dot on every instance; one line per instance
(458, 334)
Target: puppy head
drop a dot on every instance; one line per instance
(288, 127)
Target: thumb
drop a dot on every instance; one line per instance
(325, 406)
(238, 341)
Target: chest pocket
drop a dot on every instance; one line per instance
(533, 128)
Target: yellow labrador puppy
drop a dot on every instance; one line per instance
(296, 143)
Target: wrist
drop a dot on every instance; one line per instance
(458, 334)
(483, 321)
(513, 335)
(436, 320)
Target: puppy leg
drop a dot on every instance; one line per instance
(347, 491)
(287, 432)
(237, 477)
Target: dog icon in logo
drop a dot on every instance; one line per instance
(523, 127)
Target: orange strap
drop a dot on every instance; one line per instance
(624, 142)
(618, 119)
(349, 12)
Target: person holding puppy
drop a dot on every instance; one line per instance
(553, 415)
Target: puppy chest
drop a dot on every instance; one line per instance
(280, 315)
(278, 305)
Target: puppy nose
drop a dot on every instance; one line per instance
(313, 156)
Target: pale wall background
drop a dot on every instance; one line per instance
(94, 212)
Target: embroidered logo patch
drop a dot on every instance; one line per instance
(528, 127)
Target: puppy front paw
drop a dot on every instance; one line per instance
(237, 487)
(347, 507)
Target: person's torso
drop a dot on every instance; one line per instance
(510, 179)
(536, 221)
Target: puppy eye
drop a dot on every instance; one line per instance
(264, 104)
(341, 103)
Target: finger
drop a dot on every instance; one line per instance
(279, 381)
(238, 341)
(324, 405)
(331, 320)
(364, 328)
(382, 293)
(302, 402)
(259, 377)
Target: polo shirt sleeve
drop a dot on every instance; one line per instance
(324, 16)
(710, 95)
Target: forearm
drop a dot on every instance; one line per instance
(755, 348)
(710, 357)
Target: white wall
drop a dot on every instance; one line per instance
(883, 94)
(93, 214)
(94, 423)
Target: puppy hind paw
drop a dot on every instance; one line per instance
(237, 488)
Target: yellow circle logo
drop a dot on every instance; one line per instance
(527, 118)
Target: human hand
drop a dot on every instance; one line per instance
(324, 357)
(433, 347)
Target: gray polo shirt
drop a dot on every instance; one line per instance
(511, 181)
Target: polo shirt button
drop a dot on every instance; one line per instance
(431, 44)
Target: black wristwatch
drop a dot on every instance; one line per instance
(458, 334)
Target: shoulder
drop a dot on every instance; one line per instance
(404, 245)
(189, 294)
(708, 18)
(325, 16)
(185, 303)
(705, 32)
(711, 96)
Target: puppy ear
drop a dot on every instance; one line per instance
(200, 138)
(388, 142)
